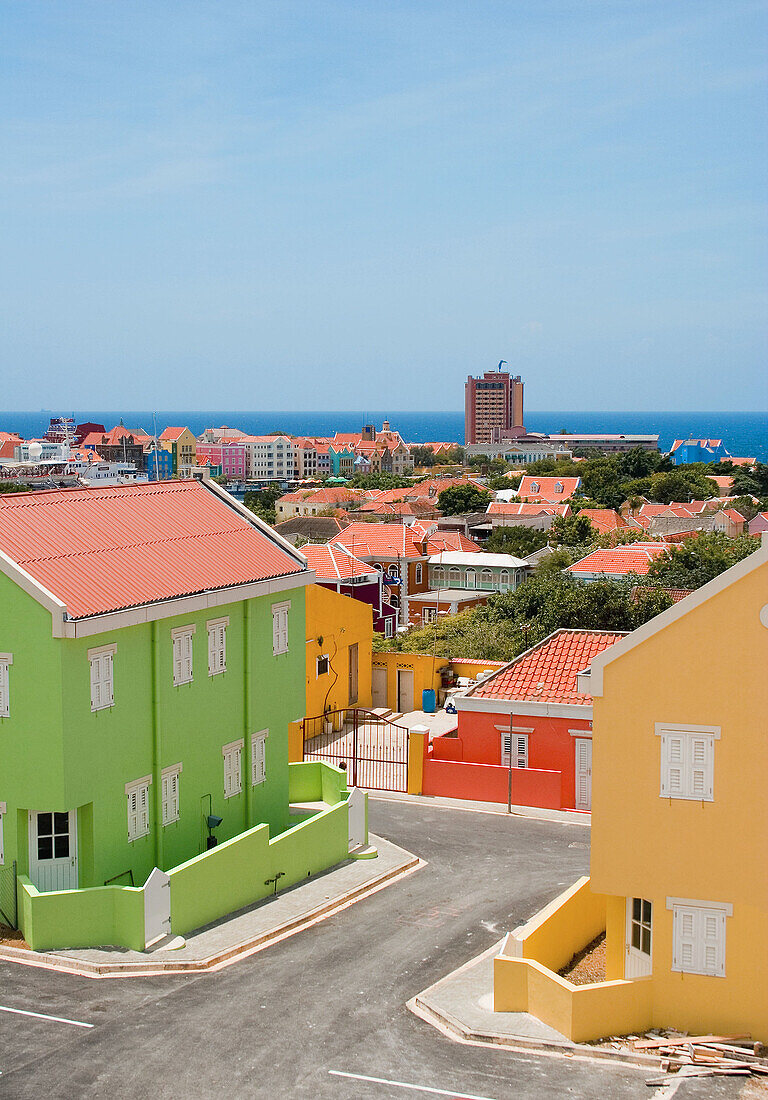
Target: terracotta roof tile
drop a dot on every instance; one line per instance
(108, 548)
(335, 563)
(636, 557)
(547, 673)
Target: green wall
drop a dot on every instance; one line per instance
(102, 917)
(56, 754)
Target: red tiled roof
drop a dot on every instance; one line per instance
(104, 549)
(741, 461)
(172, 434)
(321, 496)
(547, 673)
(636, 557)
(603, 519)
(515, 508)
(547, 488)
(369, 540)
(335, 563)
(451, 540)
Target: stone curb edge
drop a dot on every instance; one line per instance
(65, 965)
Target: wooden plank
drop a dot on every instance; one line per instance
(650, 1044)
(670, 1077)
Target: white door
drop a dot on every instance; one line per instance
(379, 685)
(639, 928)
(583, 773)
(157, 906)
(405, 690)
(53, 849)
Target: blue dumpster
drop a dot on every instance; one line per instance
(428, 700)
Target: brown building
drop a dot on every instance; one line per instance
(493, 407)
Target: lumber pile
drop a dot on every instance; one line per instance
(705, 1056)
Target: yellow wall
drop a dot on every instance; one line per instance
(707, 668)
(562, 928)
(341, 622)
(426, 671)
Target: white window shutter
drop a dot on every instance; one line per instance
(700, 782)
(177, 660)
(522, 751)
(108, 694)
(685, 936)
(506, 748)
(211, 651)
(5, 709)
(95, 683)
(144, 810)
(133, 814)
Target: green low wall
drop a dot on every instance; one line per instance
(104, 916)
(315, 781)
(233, 875)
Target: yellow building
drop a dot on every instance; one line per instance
(338, 645)
(182, 446)
(679, 874)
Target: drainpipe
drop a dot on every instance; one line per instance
(247, 713)
(157, 831)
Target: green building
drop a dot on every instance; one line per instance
(151, 659)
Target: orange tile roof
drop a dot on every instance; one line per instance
(105, 549)
(394, 540)
(335, 563)
(603, 519)
(547, 673)
(547, 488)
(172, 434)
(741, 461)
(451, 540)
(516, 508)
(636, 557)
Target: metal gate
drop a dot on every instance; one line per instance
(372, 749)
(8, 909)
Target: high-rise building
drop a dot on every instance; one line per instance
(493, 407)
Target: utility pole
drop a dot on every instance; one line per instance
(509, 784)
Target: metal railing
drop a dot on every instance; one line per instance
(372, 749)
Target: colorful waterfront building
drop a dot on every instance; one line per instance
(182, 446)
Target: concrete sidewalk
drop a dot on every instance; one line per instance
(461, 1006)
(564, 817)
(242, 933)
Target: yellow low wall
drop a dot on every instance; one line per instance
(560, 929)
(525, 978)
(579, 1012)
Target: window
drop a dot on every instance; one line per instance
(504, 580)
(418, 573)
(182, 655)
(454, 577)
(534, 486)
(518, 744)
(6, 660)
(687, 762)
(233, 768)
(3, 808)
(137, 796)
(389, 628)
(259, 758)
(429, 615)
(559, 487)
(471, 578)
(280, 628)
(698, 936)
(487, 576)
(439, 576)
(102, 693)
(323, 665)
(169, 793)
(640, 925)
(217, 646)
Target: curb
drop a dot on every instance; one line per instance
(67, 965)
(454, 1029)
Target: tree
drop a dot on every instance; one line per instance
(380, 481)
(572, 530)
(640, 463)
(262, 502)
(699, 559)
(423, 456)
(748, 482)
(220, 479)
(516, 539)
(459, 499)
(13, 487)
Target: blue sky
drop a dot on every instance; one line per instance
(355, 204)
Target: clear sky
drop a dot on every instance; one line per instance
(355, 204)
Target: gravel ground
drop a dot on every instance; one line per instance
(589, 965)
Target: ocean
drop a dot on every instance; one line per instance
(743, 433)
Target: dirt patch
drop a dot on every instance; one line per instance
(588, 966)
(11, 937)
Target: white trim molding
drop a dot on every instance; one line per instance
(180, 631)
(514, 729)
(676, 727)
(523, 709)
(99, 651)
(144, 782)
(722, 906)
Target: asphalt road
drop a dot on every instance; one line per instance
(330, 1001)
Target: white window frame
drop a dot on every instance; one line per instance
(687, 761)
(138, 787)
(429, 615)
(217, 645)
(520, 759)
(389, 627)
(101, 661)
(699, 925)
(183, 664)
(418, 573)
(3, 810)
(6, 660)
(169, 793)
(280, 627)
(233, 768)
(259, 757)
(322, 657)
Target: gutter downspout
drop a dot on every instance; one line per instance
(247, 713)
(156, 780)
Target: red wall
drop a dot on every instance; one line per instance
(489, 783)
(550, 746)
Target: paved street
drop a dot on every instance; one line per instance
(322, 1013)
